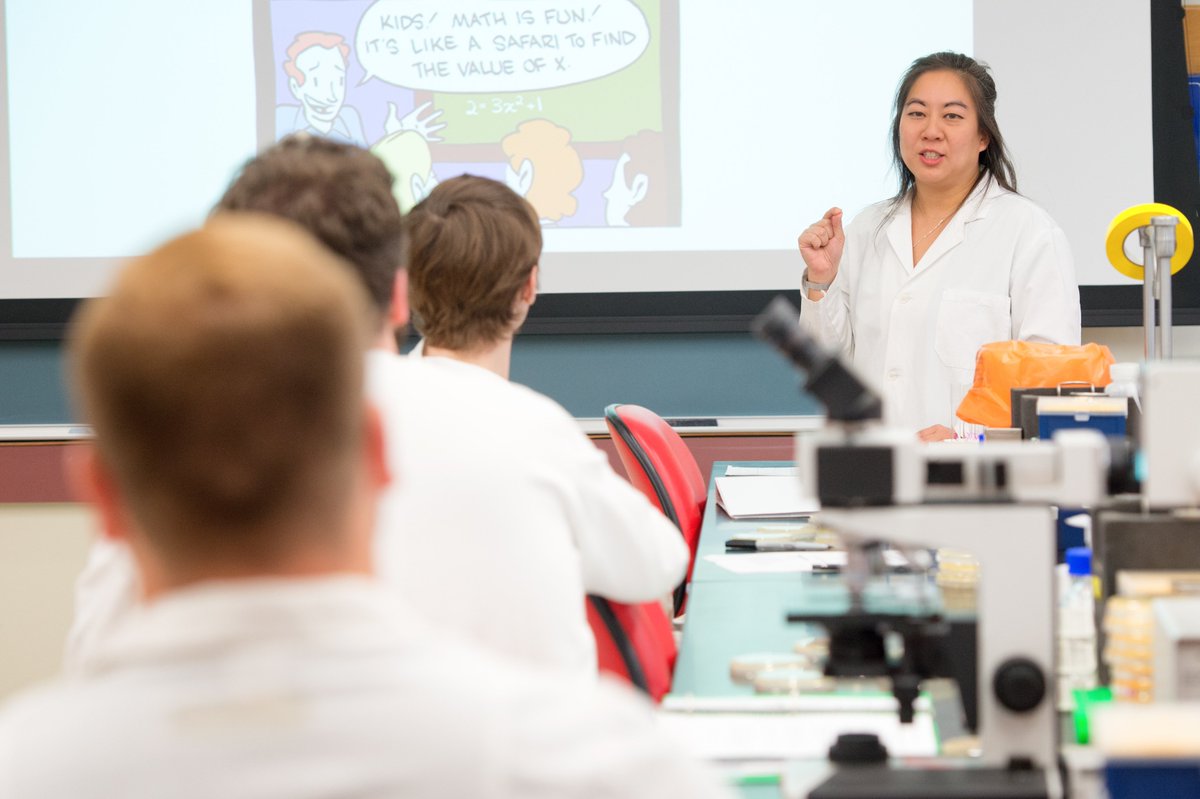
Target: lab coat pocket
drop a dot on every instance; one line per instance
(966, 321)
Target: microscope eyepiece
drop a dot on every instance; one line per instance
(845, 397)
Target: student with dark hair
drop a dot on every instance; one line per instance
(956, 259)
(342, 195)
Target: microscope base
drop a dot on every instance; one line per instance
(880, 782)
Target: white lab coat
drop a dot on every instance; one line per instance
(501, 517)
(504, 514)
(322, 687)
(1000, 270)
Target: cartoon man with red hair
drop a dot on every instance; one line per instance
(316, 69)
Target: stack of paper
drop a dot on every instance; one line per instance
(763, 497)
(787, 562)
(825, 702)
(733, 735)
(761, 471)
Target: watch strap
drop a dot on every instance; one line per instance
(808, 285)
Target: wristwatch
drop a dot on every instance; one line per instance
(807, 285)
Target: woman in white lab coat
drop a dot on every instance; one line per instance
(911, 289)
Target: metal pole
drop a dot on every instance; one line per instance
(1148, 285)
(1164, 248)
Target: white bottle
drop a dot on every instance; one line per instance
(1124, 382)
(1076, 628)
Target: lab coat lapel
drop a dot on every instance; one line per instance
(952, 235)
(899, 235)
(950, 238)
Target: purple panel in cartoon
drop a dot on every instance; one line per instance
(321, 86)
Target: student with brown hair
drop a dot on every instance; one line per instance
(237, 457)
(474, 252)
(534, 517)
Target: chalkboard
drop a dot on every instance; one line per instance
(710, 375)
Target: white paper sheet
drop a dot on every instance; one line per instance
(843, 702)
(784, 562)
(763, 497)
(761, 471)
(726, 736)
(763, 562)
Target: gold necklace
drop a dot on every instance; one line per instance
(940, 221)
(935, 227)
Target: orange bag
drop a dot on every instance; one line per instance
(1004, 365)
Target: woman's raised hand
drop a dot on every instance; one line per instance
(821, 246)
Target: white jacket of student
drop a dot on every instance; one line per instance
(1000, 270)
(504, 515)
(287, 689)
(501, 516)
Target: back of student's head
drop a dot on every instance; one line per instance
(473, 243)
(340, 193)
(223, 379)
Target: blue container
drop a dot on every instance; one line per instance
(1160, 779)
(1106, 414)
(1194, 96)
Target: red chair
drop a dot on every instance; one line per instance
(660, 465)
(634, 643)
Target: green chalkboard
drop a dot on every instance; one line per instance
(705, 374)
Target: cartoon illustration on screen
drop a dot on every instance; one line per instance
(406, 154)
(638, 194)
(574, 106)
(316, 69)
(316, 66)
(544, 168)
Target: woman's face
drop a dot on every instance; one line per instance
(940, 139)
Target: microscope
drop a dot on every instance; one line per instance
(877, 484)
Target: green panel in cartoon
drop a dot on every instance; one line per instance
(406, 154)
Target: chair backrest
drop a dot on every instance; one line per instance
(634, 643)
(660, 465)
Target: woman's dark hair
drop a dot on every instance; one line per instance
(993, 161)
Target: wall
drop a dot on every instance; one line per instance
(42, 548)
(44, 541)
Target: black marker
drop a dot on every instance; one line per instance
(751, 545)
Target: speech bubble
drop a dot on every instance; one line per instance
(472, 46)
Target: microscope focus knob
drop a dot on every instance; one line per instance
(858, 749)
(1019, 684)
